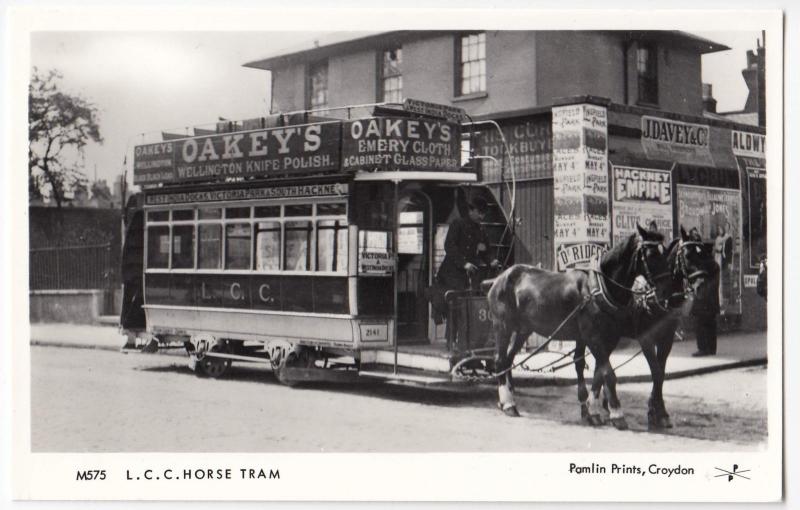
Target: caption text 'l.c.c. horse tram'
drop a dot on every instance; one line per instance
(306, 242)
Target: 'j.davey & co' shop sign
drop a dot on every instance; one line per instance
(295, 149)
(672, 140)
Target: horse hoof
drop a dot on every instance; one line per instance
(511, 411)
(595, 420)
(660, 423)
(619, 423)
(584, 412)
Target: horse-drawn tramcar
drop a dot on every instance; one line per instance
(308, 243)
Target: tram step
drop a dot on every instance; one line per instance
(424, 380)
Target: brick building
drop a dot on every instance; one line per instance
(645, 148)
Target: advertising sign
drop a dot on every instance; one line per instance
(374, 255)
(716, 215)
(641, 196)
(580, 183)
(755, 179)
(579, 255)
(757, 209)
(673, 140)
(389, 143)
(443, 111)
(296, 149)
(527, 149)
(223, 195)
(752, 145)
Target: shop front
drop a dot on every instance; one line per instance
(613, 167)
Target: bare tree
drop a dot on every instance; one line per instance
(59, 127)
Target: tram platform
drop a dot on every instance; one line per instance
(735, 349)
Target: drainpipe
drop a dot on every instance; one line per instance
(625, 49)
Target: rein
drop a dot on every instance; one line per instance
(549, 339)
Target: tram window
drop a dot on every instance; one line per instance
(182, 246)
(331, 245)
(237, 212)
(158, 247)
(209, 254)
(268, 211)
(158, 216)
(298, 210)
(331, 209)
(298, 241)
(183, 215)
(268, 245)
(237, 246)
(209, 213)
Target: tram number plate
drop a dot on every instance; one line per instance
(374, 332)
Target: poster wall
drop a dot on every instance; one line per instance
(580, 184)
(525, 146)
(750, 152)
(716, 214)
(641, 196)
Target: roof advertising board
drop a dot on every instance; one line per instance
(396, 143)
(285, 150)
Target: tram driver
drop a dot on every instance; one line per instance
(466, 249)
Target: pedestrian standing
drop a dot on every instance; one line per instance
(705, 308)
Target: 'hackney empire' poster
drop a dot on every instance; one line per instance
(641, 196)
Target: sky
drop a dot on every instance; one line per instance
(165, 81)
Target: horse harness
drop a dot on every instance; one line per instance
(681, 264)
(598, 288)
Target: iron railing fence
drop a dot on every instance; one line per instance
(72, 267)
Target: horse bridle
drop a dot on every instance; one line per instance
(681, 265)
(650, 297)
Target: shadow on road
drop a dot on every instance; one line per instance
(692, 417)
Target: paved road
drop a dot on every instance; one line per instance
(101, 401)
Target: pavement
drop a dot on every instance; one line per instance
(734, 350)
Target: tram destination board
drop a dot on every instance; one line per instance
(301, 149)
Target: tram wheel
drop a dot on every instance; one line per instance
(213, 367)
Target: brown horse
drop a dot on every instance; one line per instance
(692, 267)
(588, 306)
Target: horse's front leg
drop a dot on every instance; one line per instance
(663, 349)
(610, 384)
(657, 374)
(505, 392)
(579, 358)
(594, 402)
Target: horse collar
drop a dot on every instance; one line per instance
(599, 292)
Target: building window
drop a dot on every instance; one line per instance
(391, 85)
(318, 85)
(471, 70)
(647, 73)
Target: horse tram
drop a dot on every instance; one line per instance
(309, 242)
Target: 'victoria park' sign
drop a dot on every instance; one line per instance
(381, 143)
